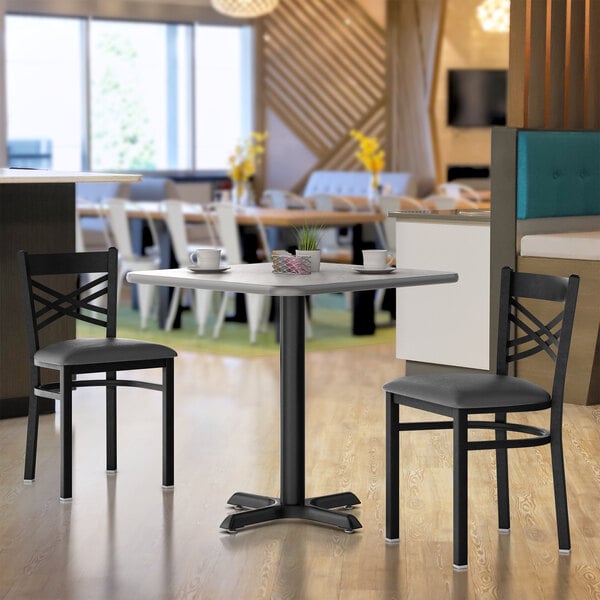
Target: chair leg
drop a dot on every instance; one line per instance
(168, 424)
(392, 470)
(202, 304)
(175, 298)
(145, 297)
(254, 307)
(32, 437)
(460, 523)
(66, 438)
(220, 317)
(502, 479)
(560, 495)
(111, 423)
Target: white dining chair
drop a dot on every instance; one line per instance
(458, 190)
(440, 202)
(201, 300)
(229, 237)
(283, 199)
(118, 221)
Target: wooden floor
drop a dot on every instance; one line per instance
(124, 538)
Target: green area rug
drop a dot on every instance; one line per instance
(331, 323)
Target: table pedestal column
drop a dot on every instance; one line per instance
(292, 503)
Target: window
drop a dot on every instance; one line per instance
(137, 103)
(45, 101)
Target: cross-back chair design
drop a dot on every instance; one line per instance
(521, 334)
(47, 300)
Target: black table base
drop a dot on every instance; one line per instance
(261, 509)
(293, 504)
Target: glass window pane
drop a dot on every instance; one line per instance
(140, 118)
(44, 92)
(220, 95)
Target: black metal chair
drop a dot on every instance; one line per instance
(457, 395)
(48, 299)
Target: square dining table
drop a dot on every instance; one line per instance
(291, 289)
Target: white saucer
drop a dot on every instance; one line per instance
(366, 271)
(194, 269)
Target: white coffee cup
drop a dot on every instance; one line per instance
(206, 258)
(376, 259)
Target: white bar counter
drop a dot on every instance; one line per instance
(447, 325)
(37, 214)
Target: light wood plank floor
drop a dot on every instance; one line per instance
(124, 538)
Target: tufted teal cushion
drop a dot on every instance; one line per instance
(558, 174)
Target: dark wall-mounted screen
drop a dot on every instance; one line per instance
(476, 97)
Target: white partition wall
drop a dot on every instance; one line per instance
(445, 325)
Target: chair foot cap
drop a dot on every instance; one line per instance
(504, 531)
(168, 487)
(65, 500)
(28, 481)
(111, 471)
(392, 540)
(460, 567)
(564, 552)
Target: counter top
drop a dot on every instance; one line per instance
(464, 216)
(45, 176)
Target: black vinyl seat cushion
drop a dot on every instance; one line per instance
(88, 351)
(478, 393)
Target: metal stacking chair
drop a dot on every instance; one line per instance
(118, 220)
(51, 291)
(521, 334)
(201, 299)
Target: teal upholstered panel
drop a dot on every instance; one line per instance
(558, 174)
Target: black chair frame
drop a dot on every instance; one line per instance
(44, 305)
(520, 335)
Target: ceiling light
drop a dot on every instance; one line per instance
(494, 15)
(244, 9)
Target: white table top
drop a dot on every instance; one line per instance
(46, 176)
(259, 279)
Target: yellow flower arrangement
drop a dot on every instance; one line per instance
(370, 155)
(246, 157)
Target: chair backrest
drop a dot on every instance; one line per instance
(119, 225)
(118, 219)
(51, 290)
(523, 333)
(177, 230)
(439, 202)
(283, 199)
(228, 231)
(458, 190)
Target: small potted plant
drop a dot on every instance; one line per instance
(308, 238)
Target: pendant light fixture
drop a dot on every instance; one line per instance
(244, 9)
(494, 15)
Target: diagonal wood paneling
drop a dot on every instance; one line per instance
(322, 71)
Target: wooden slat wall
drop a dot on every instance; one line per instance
(554, 75)
(322, 71)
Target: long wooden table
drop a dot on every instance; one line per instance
(363, 310)
(269, 217)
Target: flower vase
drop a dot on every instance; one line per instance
(239, 194)
(374, 191)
